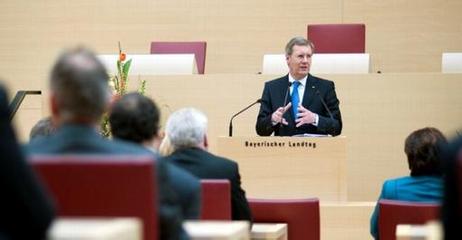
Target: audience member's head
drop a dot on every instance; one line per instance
(135, 118)
(186, 128)
(79, 88)
(44, 127)
(423, 150)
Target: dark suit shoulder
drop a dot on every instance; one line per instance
(320, 81)
(203, 164)
(223, 161)
(278, 81)
(85, 143)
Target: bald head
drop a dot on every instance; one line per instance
(79, 85)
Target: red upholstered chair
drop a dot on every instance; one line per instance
(97, 186)
(198, 48)
(216, 199)
(338, 38)
(392, 213)
(301, 216)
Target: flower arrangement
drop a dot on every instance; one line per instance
(119, 83)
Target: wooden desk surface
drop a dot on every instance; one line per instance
(268, 231)
(217, 230)
(433, 230)
(96, 229)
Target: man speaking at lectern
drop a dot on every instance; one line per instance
(318, 109)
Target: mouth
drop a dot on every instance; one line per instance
(304, 68)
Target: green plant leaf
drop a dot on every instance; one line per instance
(142, 89)
(126, 67)
(119, 68)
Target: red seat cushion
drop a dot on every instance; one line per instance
(216, 199)
(102, 186)
(392, 213)
(301, 216)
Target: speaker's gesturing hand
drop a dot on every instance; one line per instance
(277, 116)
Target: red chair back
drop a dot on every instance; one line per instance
(102, 186)
(216, 199)
(338, 38)
(301, 216)
(197, 48)
(392, 213)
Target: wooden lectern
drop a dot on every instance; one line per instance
(289, 167)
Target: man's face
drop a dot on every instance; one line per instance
(300, 61)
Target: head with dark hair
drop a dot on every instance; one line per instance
(79, 87)
(135, 118)
(423, 149)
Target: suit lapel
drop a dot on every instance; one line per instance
(282, 94)
(310, 91)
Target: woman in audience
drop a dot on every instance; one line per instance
(423, 148)
(166, 148)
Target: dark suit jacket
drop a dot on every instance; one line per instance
(274, 94)
(205, 165)
(187, 189)
(25, 210)
(81, 139)
(452, 207)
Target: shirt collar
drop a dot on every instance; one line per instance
(302, 81)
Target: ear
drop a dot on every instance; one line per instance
(287, 59)
(161, 134)
(54, 105)
(54, 110)
(206, 142)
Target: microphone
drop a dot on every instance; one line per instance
(285, 98)
(324, 103)
(325, 106)
(287, 94)
(231, 121)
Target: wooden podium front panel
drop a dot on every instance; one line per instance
(289, 167)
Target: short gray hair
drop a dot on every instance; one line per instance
(299, 41)
(186, 128)
(79, 82)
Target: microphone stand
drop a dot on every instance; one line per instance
(231, 121)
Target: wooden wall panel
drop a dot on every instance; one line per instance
(346, 220)
(407, 36)
(238, 32)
